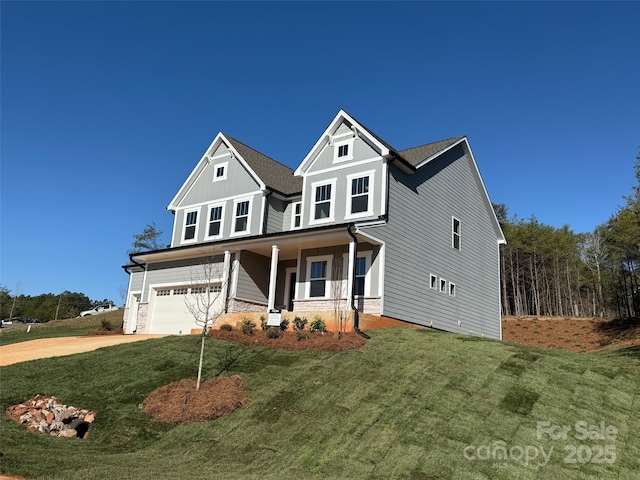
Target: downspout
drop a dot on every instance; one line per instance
(352, 294)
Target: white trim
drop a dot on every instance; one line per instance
(132, 316)
(184, 240)
(332, 202)
(262, 205)
(442, 287)
(215, 167)
(381, 264)
(327, 278)
(454, 233)
(293, 215)
(358, 129)
(234, 217)
(371, 174)
(208, 221)
(221, 155)
(433, 282)
(452, 289)
(336, 148)
(223, 199)
(234, 269)
(226, 264)
(368, 256)
(297, 288)
(384, 187)
(343, 166)
(287, 285)
(273, 276)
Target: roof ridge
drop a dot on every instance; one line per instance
(233, 139)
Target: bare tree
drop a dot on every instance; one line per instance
(207, 287)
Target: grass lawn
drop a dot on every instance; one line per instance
(412, 403)
(59, 328)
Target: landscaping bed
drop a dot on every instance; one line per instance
(293, 340)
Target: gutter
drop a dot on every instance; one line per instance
(352, 294)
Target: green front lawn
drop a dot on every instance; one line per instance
(412, 403)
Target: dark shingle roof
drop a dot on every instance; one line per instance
(416, 155)
(274, 174)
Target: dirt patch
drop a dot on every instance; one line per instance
(117, 331)
(573, 334)
(290, 340)
(179, 402)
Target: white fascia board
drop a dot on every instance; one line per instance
(327, 134)
(204, 160)
(242, 161)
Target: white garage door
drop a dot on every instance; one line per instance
(169, 313)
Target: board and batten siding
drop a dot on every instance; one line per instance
(274, 215)
(325, 159)
(418, 239)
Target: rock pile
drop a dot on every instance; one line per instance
(46, 416)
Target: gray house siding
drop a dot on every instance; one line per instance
(136, 281)
(361, 151)
(341, 193)
(253, 277)
(181, 272)
(419, 244)
(274, 214)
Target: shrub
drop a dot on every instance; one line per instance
(226, 327)
(273, 332)
(106, 325)
(263, 322)
(248, 326)
(301, 336)
(299, 323)
(284, 323)
(318, 325)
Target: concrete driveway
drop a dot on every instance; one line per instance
(55, 347)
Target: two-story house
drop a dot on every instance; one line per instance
(405, 234)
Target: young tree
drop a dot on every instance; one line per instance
(207, 287)
(149, 239)
(340, 297)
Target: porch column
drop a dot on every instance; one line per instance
(272, 277)
(226, 278)
(352, 260)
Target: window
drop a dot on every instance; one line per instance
(323, 204)
(361, 272)
(164, 292)
(180, 291)
(443, 285)
(452, 289)
(215, 221)
(343, 150)
(318, 276)
(296, 219)
(190, 225)
(318, 279)
(433, 281)
(455, 241)
(220, 171)
(241, 223)
(360, 195)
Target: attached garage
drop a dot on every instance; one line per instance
(170, 313)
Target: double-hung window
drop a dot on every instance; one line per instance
(241, 219)
(214, 229)
(361, 272)
(190, 226)
(455, 233)
(296, 218)
(323, 205)
(359, 195)
(318, 276)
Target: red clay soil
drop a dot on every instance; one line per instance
(289, 340)
(180, 402)
(573, 334)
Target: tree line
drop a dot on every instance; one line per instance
(47, 306)
(550, 271)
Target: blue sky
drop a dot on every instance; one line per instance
(107, 106)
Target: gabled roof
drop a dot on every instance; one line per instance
(274, 174)
(417, 155)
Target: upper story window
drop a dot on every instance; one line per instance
(455, 233)
(359, 195)
(323, 206)
(190, 226)
(220, 171)
(296, 217)
(214, 229)
(242, 214)
(343, 150)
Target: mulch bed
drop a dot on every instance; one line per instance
(179, 402)
(289, 340)
(573, 334)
